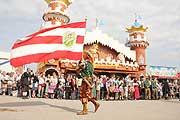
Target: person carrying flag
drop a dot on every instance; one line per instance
(85, 70)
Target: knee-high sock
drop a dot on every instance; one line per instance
(93, 101)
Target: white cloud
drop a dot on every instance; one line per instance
(22, 8)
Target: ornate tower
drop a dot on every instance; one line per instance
(57, 13)
(137, 41)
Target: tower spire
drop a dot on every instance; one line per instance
(135, 16)
(57, 13)
(137, 41)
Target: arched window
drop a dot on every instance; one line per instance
(135, 35)
(142, 36)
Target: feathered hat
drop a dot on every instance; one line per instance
(87, 56)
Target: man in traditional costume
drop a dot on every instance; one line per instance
(85, 70)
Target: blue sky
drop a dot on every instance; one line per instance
(22, 17)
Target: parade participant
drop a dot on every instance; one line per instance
(85, 70)
(52, 87)
(41, 85)
(1, 81)
(154, 89)
(4, 82)
(24, 83)
(147, 85)
(179, 88)
(47, 82)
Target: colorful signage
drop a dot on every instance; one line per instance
(161, 71)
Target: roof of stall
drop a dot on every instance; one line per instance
(100, 37)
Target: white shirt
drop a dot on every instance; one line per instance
(41, 80)
(62, 80)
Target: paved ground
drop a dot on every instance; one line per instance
(12, 108)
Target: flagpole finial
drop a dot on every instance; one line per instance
(85, 19)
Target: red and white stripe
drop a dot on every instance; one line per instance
(48, 44)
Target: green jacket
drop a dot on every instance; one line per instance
(88, 69)
(154, 84)
(146, 84)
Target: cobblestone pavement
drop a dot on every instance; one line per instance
(12, 108)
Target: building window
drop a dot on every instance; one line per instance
(135, 35)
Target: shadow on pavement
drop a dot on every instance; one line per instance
(21, 104)
(64, 108)
(37, 103)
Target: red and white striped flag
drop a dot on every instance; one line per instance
(64, 42)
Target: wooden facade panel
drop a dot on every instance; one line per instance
(104, 52)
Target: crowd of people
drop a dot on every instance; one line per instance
(67, 86)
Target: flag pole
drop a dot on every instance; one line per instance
(85, 19)
(135, 17)
(85, 33)
(96, 22)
